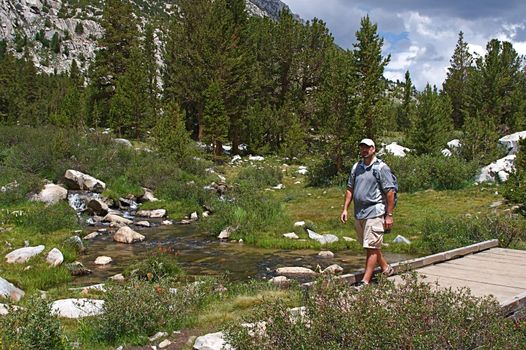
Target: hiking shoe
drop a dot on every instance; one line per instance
(389, 271)
(358, 286)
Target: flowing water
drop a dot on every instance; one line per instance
(201, 254)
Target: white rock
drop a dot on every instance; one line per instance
(299, 224)
(279, 187)
(8, 290)
(157, 336)
(497, 168)
(143, 223)
(76, 180)
(157, 213)
(225, 234)
(124, 142)
(147, 196)
(302, 170)
(22, 255)
(455, 143)
(326, 254)
(164, 344)
(348, 239)
(401, 239)
(295, 271)
(55, 257)
(167, 222)
(194, 216)
(127, 235)
(256, 158)
(323, 239)
(98, 207)
(446, 152)
(235, 158)
(77, 308)
(212, 341)
(103, 260)
(333, 269)
(51, 194)
(118, 277)
(511, 142)
(279, 280)
(291, 235)
(91, 235)
(395, 149)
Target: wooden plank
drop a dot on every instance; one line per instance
(484, 259)
(495, 267)
(514, 304)
(475, 276)
(510, 251)
(489, 253)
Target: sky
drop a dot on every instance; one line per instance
(421, 35)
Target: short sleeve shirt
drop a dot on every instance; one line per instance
(369, 185)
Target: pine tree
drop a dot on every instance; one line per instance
(432, 123)
(406, 111)
(369, 68)
(215, 120)
(55, 43)
(456, 83)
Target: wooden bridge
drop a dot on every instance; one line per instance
(484, 268)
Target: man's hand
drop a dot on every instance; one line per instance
(343, 216)
(388, 222)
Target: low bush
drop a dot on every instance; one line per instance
(260, 177)
(15, 185)
(408, 315)
(324, 173)
(444, 234)
(47, 219)
(32, 327)
(155, 267)
(138, 309)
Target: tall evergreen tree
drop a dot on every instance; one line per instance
(369, 68)
(432, 123)
(406, 111)
(215, 119)
(456, 83)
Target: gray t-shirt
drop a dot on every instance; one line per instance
(369, 189)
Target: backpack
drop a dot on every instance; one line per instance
(376, 168)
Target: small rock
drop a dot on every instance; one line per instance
(279, 280)
(291, 235)
(157, 213)
(51, 194)
(77, 269)
(496, 204)
(167, 222)
(326, 254)
(157, 336)
(103, 260)
(91, 235)
(225, 234)
(55, 257)
(127, 235)
(349, 239)
(194, 216)
(76, 180)
(143, 223)
(147, 196)
(164, 344)
(98, 207)
(75, 242)
(323, 239)
(118, 277)
(21, 255)
(212, 341)
(116, 219)
(8, 290)
(206, 214)
(123, 142)
(185, 222)
(279, 187)
(295, 271)
(299, 224)
(401, 239)
(333, 270)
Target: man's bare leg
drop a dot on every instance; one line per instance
(370, 264)
(381, 261)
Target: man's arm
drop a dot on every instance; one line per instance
(348, 200)
(389, 210)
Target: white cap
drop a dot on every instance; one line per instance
(367, 142)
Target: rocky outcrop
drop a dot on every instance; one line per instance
(75, 180)
(127, 235)
(8, 290)
(21, 255)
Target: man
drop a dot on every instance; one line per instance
(372, 186)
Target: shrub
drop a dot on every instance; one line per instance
(31, 327)
(137, 309)
(408, 315)
(260, 177)
(444, 234)
(47, 219)
(17, 184)
(155, 268)
(515, 187)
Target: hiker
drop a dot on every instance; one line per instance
(373, 187)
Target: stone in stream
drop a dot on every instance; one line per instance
(295, 271)
(55, 257)
(51, 194)
(323, 239)
(77, 308)
(77, 269)
(167, 222)
(157, 213)
(92, 235)
(326, 254)
(143, 223)
(333, 269)
(8, 290)
(103, 260)
(127, 235)
(116, 219)
(21, 255)
(147, 196)
(98, 207)
(75, 180)
(225, 234)
(291, 235)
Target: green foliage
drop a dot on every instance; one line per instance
(416, 173)
(48, 219)
(260, 177)
(32, 327)
(149, 308)
(17, 184)
(79, 28)
(55, 43)
(155, 268)
(337, 317)
(444, 234)
(515, 187)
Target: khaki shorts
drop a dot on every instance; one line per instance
(370, 232)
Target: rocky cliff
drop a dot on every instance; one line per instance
(57, 31)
